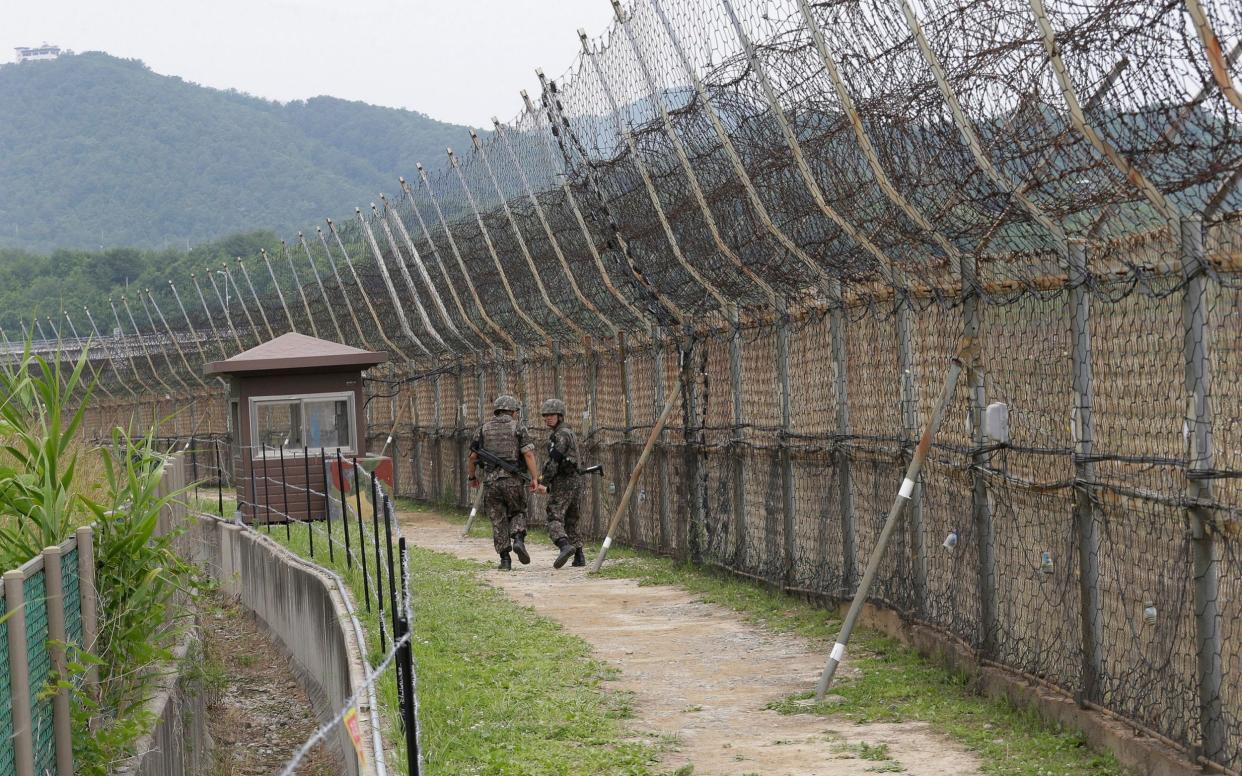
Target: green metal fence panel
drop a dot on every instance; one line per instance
(40, 662)
(73, 597)
(7, 764)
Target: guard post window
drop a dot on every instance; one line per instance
(311, 420)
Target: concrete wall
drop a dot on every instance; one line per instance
(180, 743)
(306, 615)
(305, 612)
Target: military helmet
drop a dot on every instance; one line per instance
(553, 407)
(506, 403)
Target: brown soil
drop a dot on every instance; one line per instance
(698, 672)
(258, 714)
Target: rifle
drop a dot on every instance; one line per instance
(491, 459)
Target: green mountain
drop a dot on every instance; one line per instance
(99, 151)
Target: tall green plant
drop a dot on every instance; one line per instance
(38, 501)
(138, 577)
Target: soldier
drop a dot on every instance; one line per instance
(562, 484)
(505, 438)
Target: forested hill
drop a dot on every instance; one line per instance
(99, 151)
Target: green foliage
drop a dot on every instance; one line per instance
(138, 576)
(102, 151)
(37, 497)
(34, 286)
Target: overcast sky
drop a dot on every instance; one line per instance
(455, 60)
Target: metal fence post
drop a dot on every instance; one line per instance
(89, 595)
(437, 463)
(558, 377)
(786, 464)
(416, 447)
(627, 396)
(980, 509)
(1207, 550)
(1086, 523)
(502, 378)
(738, 443)
(909, 436)
(19, 675)
(695, 530)
(459, 432)
(592, 429)
(661, 453)
(61, 723)
(840, 361)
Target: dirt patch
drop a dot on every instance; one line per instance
(700, 674)
(259, 714)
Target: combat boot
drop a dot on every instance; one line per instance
(579, 558)
(519, 548)
(567, 552)
(505, 563)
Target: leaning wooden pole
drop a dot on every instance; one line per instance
(965, 354)
(634, 475)
(474, 509)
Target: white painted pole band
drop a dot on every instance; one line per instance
(838, 649)
(907, 487)
(607, 542)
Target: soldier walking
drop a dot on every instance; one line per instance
(503, 438)
(563, 484)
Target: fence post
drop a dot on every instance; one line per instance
(627, 399)
(592, 426)
(695, 533)
(840, 361)
(502, 379)
(533, 507)
(1199, 489)
(89, 595)
(1086, 523)
(19, 675)
(981, 511)
(909, 436)
(62, 728)
(787, 485)
(738, 443)
(416, 446)
(437, 464)
(661, 453)
(459, 440)
(558, 378)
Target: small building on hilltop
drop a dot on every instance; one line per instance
(46, 51)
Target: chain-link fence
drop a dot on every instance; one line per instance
(786, 213)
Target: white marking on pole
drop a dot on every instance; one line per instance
(838, 649)
(607, 542)
(907, 487)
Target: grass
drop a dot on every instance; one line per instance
(895, 684)
(500, 689)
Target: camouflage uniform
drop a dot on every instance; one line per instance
(505, 500)
(560, 475)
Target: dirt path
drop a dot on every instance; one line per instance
(259, 716)
(698, 672)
